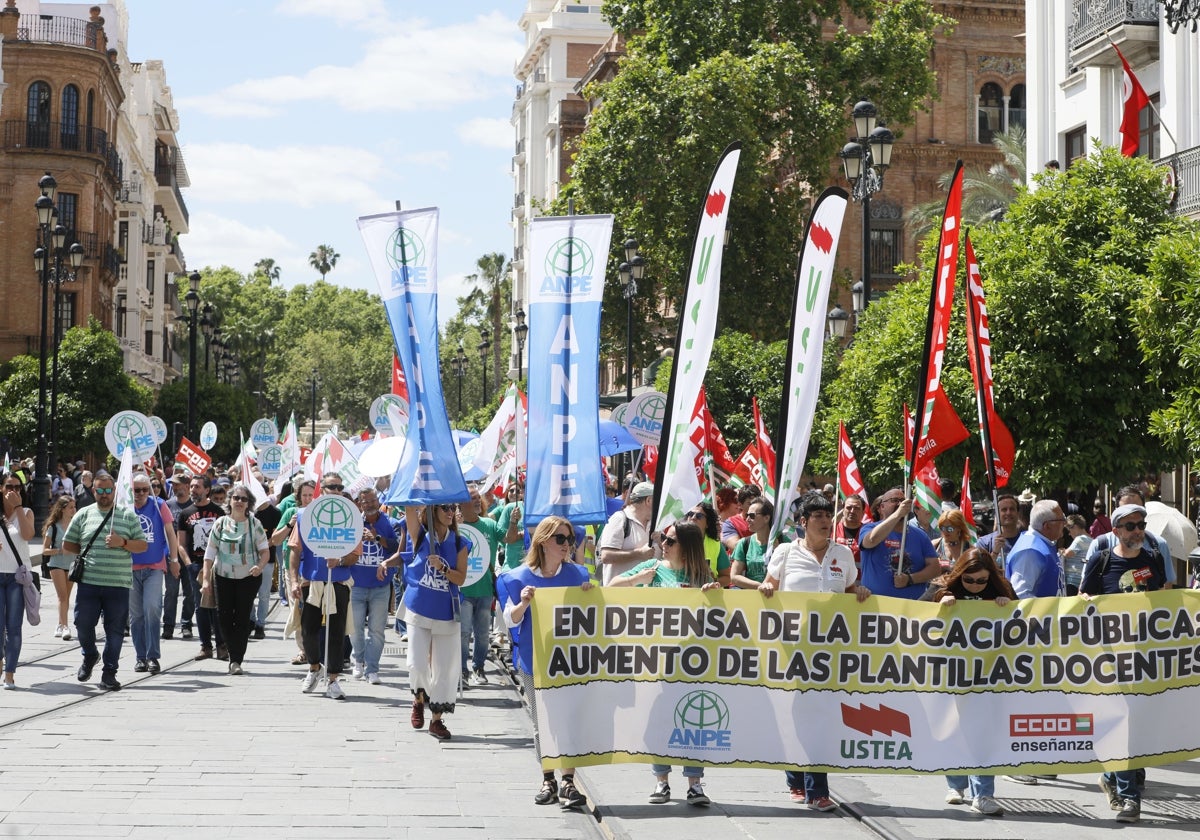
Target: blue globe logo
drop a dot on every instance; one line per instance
(569, 257)
(331, 513)
(653, 409)
(128, 426)
(404, 248)
(701, 710)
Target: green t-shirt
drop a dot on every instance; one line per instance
(486, 585)
(751, 552)
(664, 575)
(104, 566)
(513, 551)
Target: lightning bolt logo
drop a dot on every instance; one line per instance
(714, 205)
(820, 237)
(868, 720)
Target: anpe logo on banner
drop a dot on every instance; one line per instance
(1039, 726)
(701, 722)
(406, 255)
(569, 264)
(869, 720)
(332, 526)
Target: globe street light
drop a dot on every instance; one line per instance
(520, 331)
(865, 159)
(58, 276)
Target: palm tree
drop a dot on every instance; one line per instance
(323, 259)
(266, 266)
(488, 292)
(986, 195)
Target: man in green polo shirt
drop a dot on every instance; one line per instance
(476, 611)
(107, 537)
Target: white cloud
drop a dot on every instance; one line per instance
(216, 241)
(349, 10)
(304, 176)
(438, 159)
(413, 66)
(489, 132)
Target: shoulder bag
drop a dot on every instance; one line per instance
(33, 597)
(76, 573)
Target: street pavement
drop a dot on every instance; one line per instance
(196, 753)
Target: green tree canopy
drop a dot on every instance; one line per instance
(230, 407)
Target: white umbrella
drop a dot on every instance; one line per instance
(1172, 526)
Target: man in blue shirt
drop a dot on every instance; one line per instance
(884, 572)
(1033, 567)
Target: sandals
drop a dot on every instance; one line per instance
(299, 659)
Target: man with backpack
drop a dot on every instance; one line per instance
(626, 541)
(1127, 566)
(1131, 494)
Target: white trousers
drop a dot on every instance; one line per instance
(434, 666)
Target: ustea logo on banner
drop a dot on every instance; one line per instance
(870, 721)
(701, 722)
(569, 265)
(406, 255)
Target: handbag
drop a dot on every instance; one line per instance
(23, 576)
(76, 573)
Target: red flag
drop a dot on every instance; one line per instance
(766, 452)
(399, 386)
(748, 469)
(707, 437)
(1133, 99)
(849, 477)
(650, 461)
(910, 432)
(968, 510)
(940, 427)
(979, 354)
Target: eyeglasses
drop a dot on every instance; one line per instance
(563, 539)
(218, 494)
(751, 516)
(695, 514)
(976, 581)
(1133, 526)
(947, 529)
(669, 541)
(12, 486)
(1052, 521)
(141, 490)
(446, 508)
(338, 487)
(893, 499)
(242, 499)
(102, 491)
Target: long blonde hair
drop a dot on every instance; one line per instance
(542, 534)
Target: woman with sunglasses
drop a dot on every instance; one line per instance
(705, 517)
(57, 562)
(290, 508)
(548, 563)
(974, 577)
(684, 564)
(750, 555)
(18, 522)
(954, 538)
(438, 567)
(234, 560)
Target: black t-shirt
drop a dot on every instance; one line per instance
(1125, 574)
(196, 521)
(270, 517)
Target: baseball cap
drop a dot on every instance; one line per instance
(641, 490)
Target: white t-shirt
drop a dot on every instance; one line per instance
(797, 570)
(614, 537)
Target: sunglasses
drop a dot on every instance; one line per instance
(12, 486)
(338, 487)
(695, 514)
(242, 499)
(751, 516)
(141, 489)
(947, 529)
(976, 581)
(563, 539)
(668, 541)
(102, 491)
(156, 486)
(1130, 527)
(446, 508)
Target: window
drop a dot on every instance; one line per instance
(1076, 141)
(1148, 130)
(1016, 107)
(148, 347)
(150, 277)
(119, 323)
(91, 117)
(37, 116)
(67, 204)
(885, 251)
(69, 118)
(123, 240)
(991, 111)
(66, 311)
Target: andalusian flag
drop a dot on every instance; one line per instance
(766, 452)
(968, 509)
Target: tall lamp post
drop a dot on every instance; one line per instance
(520, 332)
(41, 481)
(207, 325)
(57, 276)
(865, 159)
(484, 345)
(631, 271)
(192, 299)
(315, 380)
(460, 370)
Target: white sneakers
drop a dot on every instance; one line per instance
(373, 678)
(359, 670)
(310, 681)
(335, 691)
(59, 630)
(987, 806)
(66, 633)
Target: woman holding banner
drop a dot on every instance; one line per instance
(975, 577)
(438, 567)
(686, 565)
(813, 563)
(548, 563)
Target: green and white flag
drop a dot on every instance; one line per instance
(677, 489)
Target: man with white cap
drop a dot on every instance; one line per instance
(1131, 494)
(626, 541)
(1128, 566)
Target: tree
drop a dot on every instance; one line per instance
(491, 291)
(231, 408)
(266, 266)
(323, 259)
(698, 75)
(92, 386)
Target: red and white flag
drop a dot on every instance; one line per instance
(1133, 100)
(992, 430)
(748, 469)
(849, 478)
(766, 452)
(706, 436)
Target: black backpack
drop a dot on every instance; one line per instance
(1158, 570)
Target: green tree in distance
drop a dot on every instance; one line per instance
(323, 259)
(490, 294)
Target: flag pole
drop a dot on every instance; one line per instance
(1161, 122)
(985, 427)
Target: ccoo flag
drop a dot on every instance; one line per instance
(999, 451)
(850, 480)
(402, 248)
(566, 290)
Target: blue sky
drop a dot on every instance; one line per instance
(297, 116)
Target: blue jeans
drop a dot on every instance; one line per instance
(979, 785)
(476, 617)
(145, 612)
(264, 596)
(1125, 782)
(171, 587)
(688, 772)
(12, 618)
(814, 785)
(369, 605)
(92, 602)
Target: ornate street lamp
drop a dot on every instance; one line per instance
(58, 275)
(460, 370)
(484, 345)
(630, 271)
(520, 332)
(838, 319)
(865, 160)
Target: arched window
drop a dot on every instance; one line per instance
(90, 117)
(69, 118)
(991, 111)
(1016, 107)
(37, 116)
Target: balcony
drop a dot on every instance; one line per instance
(49, 29)
(1186, 168)
(170, 175)
(24, 135)
(1132, 25)
(174, 256)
